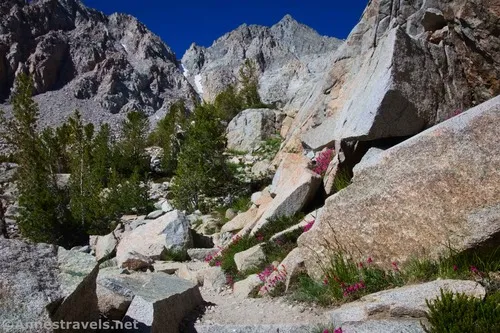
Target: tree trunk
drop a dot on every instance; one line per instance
(3, 224)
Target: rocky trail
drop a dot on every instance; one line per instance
(378, 151)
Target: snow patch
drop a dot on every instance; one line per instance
(197, 82)
(184, 70)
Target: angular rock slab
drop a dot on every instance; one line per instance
(160, 304)
(395, 307)
(294, 185)
(169, 232)
(440, 188)
(250, 258)
(43, 283)
(249, 128)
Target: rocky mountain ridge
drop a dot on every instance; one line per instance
(81, 59)
(105, 66)
(289, 56)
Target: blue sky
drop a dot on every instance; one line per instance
(182, 22)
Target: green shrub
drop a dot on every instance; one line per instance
(226, 258)
(277, 224)
(461, 313)
(342, 180)
(270, 147)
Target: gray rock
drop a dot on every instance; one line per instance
(243, 288)
(395, 76)
(137, 223)
(396, 306)
(250, 128)
(155, 300)
(167, 233)
(155, 214)
(420, 197)
(201, 254)
(135, 261)
(294, 185)
(230, 214)
(82, 59)
(282, 328)
(214, 278)
(251, 258)
(290, 58)
(42, 283)
(105, 247)
(166, 207)
(369, 159)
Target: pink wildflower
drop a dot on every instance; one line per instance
(326, 330)
(474, 270)
(370, 260)
(395, 266)
(338, 330)
(455, 268)
(309, 225)
(322, 161)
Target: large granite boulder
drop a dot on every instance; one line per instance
(45, 284)
(250, 128)
(294, 186)
(439, 189)
(405, 67)
(398, 310)
(169, 232)
(157, 301)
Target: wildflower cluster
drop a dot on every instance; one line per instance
(308, 226)
(323, 161)
(336, 330)
(272, 278)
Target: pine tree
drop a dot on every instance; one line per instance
(130, 155)
(202, 170)
(43, 216)
(169, 135)
(84, 189)
(249, 81)
(228, 103)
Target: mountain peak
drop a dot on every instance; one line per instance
(288, 19)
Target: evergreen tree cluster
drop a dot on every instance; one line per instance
(194, 146)
(105, 175)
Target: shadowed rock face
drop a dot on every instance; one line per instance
(439, 189)
(80, 58)
(406, 66)
(289, 55)
(42, 283)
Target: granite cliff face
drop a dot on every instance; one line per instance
(406, 66)
(80, 58)
(290, 58)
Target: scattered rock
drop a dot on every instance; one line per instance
(250, 128)
(201, 254)
(399, 307)
(230, 214)
(105, 247)
(250, 258)
(43, 283)
(244, 288)
(167, 233)
(294, 185)
(155, 214)
(135, 261)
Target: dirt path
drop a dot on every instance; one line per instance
(227, 313)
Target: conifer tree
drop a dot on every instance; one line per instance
(169, 135)
(202, 170)
(228, 103)
(130, 153)
(84, 189)
(43, 216)
(249, 81)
